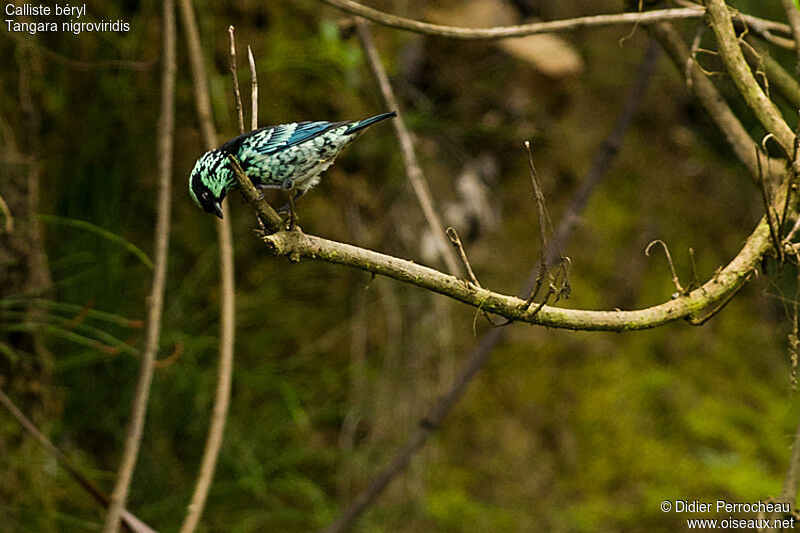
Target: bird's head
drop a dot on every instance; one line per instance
(209, 182)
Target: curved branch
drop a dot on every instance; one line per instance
(728, 43)
(503, 32)
(295, 244)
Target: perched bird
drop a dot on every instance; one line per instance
(288, 156)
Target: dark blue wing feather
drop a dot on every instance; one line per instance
(286, 135)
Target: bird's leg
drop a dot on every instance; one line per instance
(291, 212)
(288, 185)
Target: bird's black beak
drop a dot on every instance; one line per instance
(218, 209)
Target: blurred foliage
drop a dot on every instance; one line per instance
(562, 431)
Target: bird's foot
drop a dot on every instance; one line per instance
(288, 215)
(262, 229)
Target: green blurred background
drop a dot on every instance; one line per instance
(562, 431)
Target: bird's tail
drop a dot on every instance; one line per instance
(361, 124)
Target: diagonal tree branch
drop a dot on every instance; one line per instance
(413, 170)
(784, 82)
(729, 49)
(166, 126)
(131, 522)
(710, 98)
(502, 32)
(227, 287)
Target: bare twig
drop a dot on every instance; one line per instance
(771, 215)
(455, 240)
(166, 126)
(541, 211)
(784, 82)
(413, 170)
(675, 280)
(237, 96)
(502, 32)
(694, 281)
(698, 36)
(253, 89)
(227, 287)
(131, 522)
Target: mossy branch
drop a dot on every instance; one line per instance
(295, 245)
(766, 112)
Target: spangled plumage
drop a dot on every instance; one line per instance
(287, 156)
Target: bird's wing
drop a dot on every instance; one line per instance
(286, 135)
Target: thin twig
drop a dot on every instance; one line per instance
(766, 197)
(253, 89)
(477, 357)
(694, 281)
(237, 96)
(166, 126)
(784, 82)
(227, 286)
(502, 32)
(131, 522)
(543, 218)
(413, 169)
(455, 240)
(698, 36)
(675, 280)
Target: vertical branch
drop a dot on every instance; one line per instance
(237, 96)
(413, 170)
(166, 126)
(793, 14)
(439, 411)
(130, 521)
(766, 112)
(253, 89)
(227, 288)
